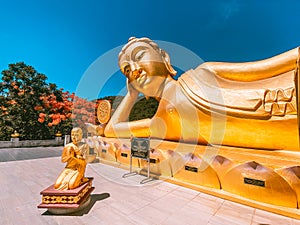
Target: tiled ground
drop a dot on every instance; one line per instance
(118, 200)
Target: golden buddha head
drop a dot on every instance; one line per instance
(76, 135)
(144, 64)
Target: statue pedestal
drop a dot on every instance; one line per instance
(265, 179)
(66, 201)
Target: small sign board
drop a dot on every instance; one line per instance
(124, 154)
(191, 169)
(255, 182)
(140, 148)
(152, 160)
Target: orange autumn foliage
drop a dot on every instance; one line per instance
(54, 112)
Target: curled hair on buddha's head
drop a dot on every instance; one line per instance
(165, 55)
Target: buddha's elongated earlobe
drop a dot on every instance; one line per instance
(167, 62)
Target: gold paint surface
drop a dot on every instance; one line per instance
(263, 185)
(292, 176)
(74, 155)
(218, 123)
(104, 111)
(199, 172)
(214, 103)
(159, 165)
(272, 177)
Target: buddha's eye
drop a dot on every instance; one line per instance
(139, 55)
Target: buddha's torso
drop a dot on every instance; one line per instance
(178, 118)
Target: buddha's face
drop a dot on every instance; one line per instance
(144, 68)
(76, 136)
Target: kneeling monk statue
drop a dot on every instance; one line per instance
(251, 105)
(74, 155)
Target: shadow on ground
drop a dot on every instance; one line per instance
(86, 210)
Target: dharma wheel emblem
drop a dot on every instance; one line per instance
(104, 111)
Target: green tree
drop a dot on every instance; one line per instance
(20, 93)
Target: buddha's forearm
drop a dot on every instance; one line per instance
(122, 112)
(139, 128)
(118, 124)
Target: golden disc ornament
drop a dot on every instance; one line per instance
(104, 111)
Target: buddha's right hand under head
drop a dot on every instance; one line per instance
(131, 90)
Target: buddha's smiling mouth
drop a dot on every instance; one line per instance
(142, 78)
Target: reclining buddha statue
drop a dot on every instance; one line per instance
(249, 105)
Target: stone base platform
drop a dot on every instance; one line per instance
(264, 179)
(66, 201)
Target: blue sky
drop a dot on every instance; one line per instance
(65, 39)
